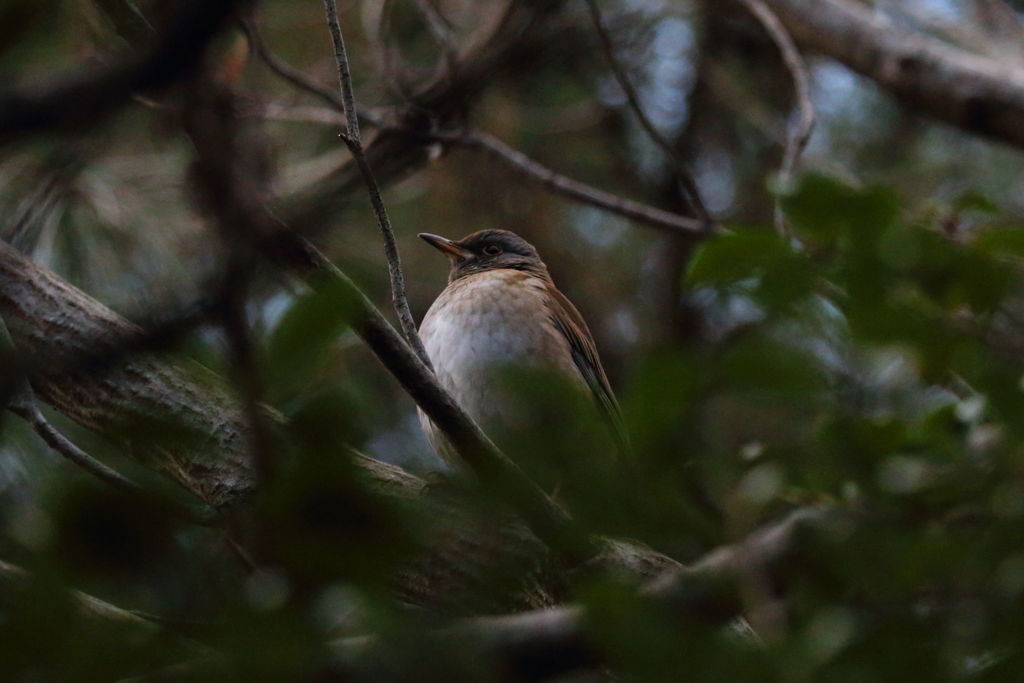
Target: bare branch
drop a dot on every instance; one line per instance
(23, 404)
(439, 103)
(683, 174)
(12, 577)
(976, 93)
(285, 70)
(441, 31)
(353, 140)
(574, 189)
(25, 407)
(521, 164)
(298, 79)
(800, 133)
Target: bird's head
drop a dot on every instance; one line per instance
(487, 250)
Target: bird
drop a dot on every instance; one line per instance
(502, 309)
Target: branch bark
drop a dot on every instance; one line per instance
(975, 93)
(546, 643)
(55, 320)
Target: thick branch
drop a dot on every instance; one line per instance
(546, 643)
(207, 452)
(970, 91)
(55, 321)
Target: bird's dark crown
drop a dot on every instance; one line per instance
(489, 250)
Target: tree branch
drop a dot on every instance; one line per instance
(529, 168)
(25, 407)
(353, 140)
(574, 189)
(547, 643)
(23, 404)
(683, 174)
(970, 91)
(12, 577)
(395, 152)
(800, 132)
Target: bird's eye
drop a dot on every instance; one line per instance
(492, 250)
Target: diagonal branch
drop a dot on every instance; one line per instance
(800, 132)
(971, 91)
(119, 382)
(683, 174)
(441, 102)
(353, 140)
(13, 577)
(547, 643)
(286, 70)
(574, 189)
(25, 407)
(23, 404)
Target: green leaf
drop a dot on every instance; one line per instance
(825, 210)
(1003, 239)
(299, 343)
(736, 256)
(974, 200)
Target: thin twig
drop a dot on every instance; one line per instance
(354, 142)
(800, 132)
(441, 31)
(683, 174)
(25, 407)
(295, 77)
(285, 70)
(575, 189)
(23, 404)
(520, 163)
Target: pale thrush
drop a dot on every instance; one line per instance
(501, 309)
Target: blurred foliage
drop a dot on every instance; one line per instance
(873, 359)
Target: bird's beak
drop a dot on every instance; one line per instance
(445, 245)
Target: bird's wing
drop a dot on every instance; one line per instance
(570, 323)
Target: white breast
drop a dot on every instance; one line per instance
(485, 323)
